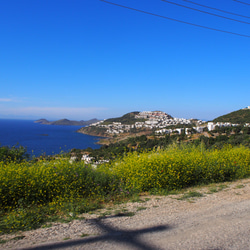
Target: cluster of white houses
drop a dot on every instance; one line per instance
(154, 120)
(160, 120)
(87, 159)
(199, 129)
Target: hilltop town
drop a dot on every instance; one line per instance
(153, 129)
(155, 121)
(142, 121)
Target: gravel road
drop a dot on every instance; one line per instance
(220, 219)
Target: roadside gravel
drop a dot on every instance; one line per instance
(219, 219)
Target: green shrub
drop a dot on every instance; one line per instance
(32, 192)
(179, 167)
(13, 154)
(43, 182)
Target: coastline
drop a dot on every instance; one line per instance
(40, 139)
(106, 140)
(102, 140)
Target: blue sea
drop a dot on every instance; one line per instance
(44, 139)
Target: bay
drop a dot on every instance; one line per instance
(44, 139)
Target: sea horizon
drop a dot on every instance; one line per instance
(40, 139)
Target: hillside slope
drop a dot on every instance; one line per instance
(241, 116)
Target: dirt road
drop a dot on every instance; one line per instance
(219, 219)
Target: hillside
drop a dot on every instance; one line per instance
(129, 124)
(241, 116)
(128, 118)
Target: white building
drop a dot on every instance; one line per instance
(179, 130)
(86, 158)
(210, 126)
(151, 122)
(198, 129)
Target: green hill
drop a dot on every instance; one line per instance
(241, 116)
(128, 118)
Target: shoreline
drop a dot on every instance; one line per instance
(106, 140)
(99, 140)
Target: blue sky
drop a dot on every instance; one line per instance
(83, 59)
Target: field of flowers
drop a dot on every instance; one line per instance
(50, 181)
(32, 192)
(181, 166)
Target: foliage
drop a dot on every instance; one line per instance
(93, 130)
(32, 193)
(227, 135)
(128, 119)
(50, 181)
(10, 154)
(241, 116)
(138, 143)
(220, 140)
(179, 167)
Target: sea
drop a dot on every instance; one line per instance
(40, 139)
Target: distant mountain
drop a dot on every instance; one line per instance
(43, 121)
(241, 116)
(66, 122)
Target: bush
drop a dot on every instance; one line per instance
(31, 192)
(55, 181)
(13, 154)
(179, 167)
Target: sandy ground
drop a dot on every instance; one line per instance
(219, 219)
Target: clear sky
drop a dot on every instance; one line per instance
(83, 59)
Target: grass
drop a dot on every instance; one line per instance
(213, 188)
(190, 194)
(15, 238)
(165, 192)
(222, 186)
(141, 208)
(47, 225)
(104, 214)
(3, 241)
(35, 194)
(84, 235)
(129, 214)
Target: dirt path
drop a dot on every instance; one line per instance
(220, 219)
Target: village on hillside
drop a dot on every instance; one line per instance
(149, 128)
(160, 121)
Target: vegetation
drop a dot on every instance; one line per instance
(217, 138)
(93, 130)
(35, 192)
(128, 119)
(241, 116)
(180, 166)
(32, 193)
(15, 153)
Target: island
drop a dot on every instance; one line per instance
(66, 122)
